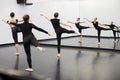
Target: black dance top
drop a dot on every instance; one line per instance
(55, 23)
(95, 24)
(77, 25)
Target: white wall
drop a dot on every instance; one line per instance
(105, 10)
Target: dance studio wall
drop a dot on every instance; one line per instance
(105, 10)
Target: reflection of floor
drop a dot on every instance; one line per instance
(74, 64)
(88, 42)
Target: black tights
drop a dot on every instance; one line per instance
(99, 32)
(15, 30)
(28, 53)
(27, 41)
(114, 33)
(59, 34)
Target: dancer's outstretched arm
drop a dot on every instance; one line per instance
(45, 17)
(75, 22)
(65, 24)
(4, 20)
(71, 22)
(88, 20)
(40, 29)
(101, 24)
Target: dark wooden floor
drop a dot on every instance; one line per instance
(74, 64)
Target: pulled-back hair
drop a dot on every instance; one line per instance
(56, 14)
(12, 14)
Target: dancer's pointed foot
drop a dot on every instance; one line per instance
(98, 43)
(114, 41)
(58, 55)
(80, 41)
(41, 49)
(29, 69)
(17, 54)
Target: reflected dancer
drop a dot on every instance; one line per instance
(78, 55)
(58, 75)
(17, 63)
(114, 46)
(98, 45)
(94, 63)
(95, 60)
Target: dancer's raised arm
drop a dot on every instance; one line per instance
(65, 24)
(71, 22)
(101, 24)
(77, 21)
(45, 17)
(4, 20)
(88, 20)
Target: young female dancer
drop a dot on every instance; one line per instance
(58, 29)
(79, 27)
(113, 28)
(97, 27)
(14, 30)
(29, 38)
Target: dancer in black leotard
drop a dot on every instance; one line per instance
(79, 27)
(113, 28)
(58, 29)
(14, 30)
(29, 38)
(97, 27)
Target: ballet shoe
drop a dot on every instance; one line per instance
(114, 41)
(98, 43)
(79, 41)
(42, 49)
(17, 54)
(29, 69)
(58, 55)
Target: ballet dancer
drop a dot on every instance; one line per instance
(113, 28)
(29, 38)
(97, 27)
(14, 30)
(79, 27)
(58, 29)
